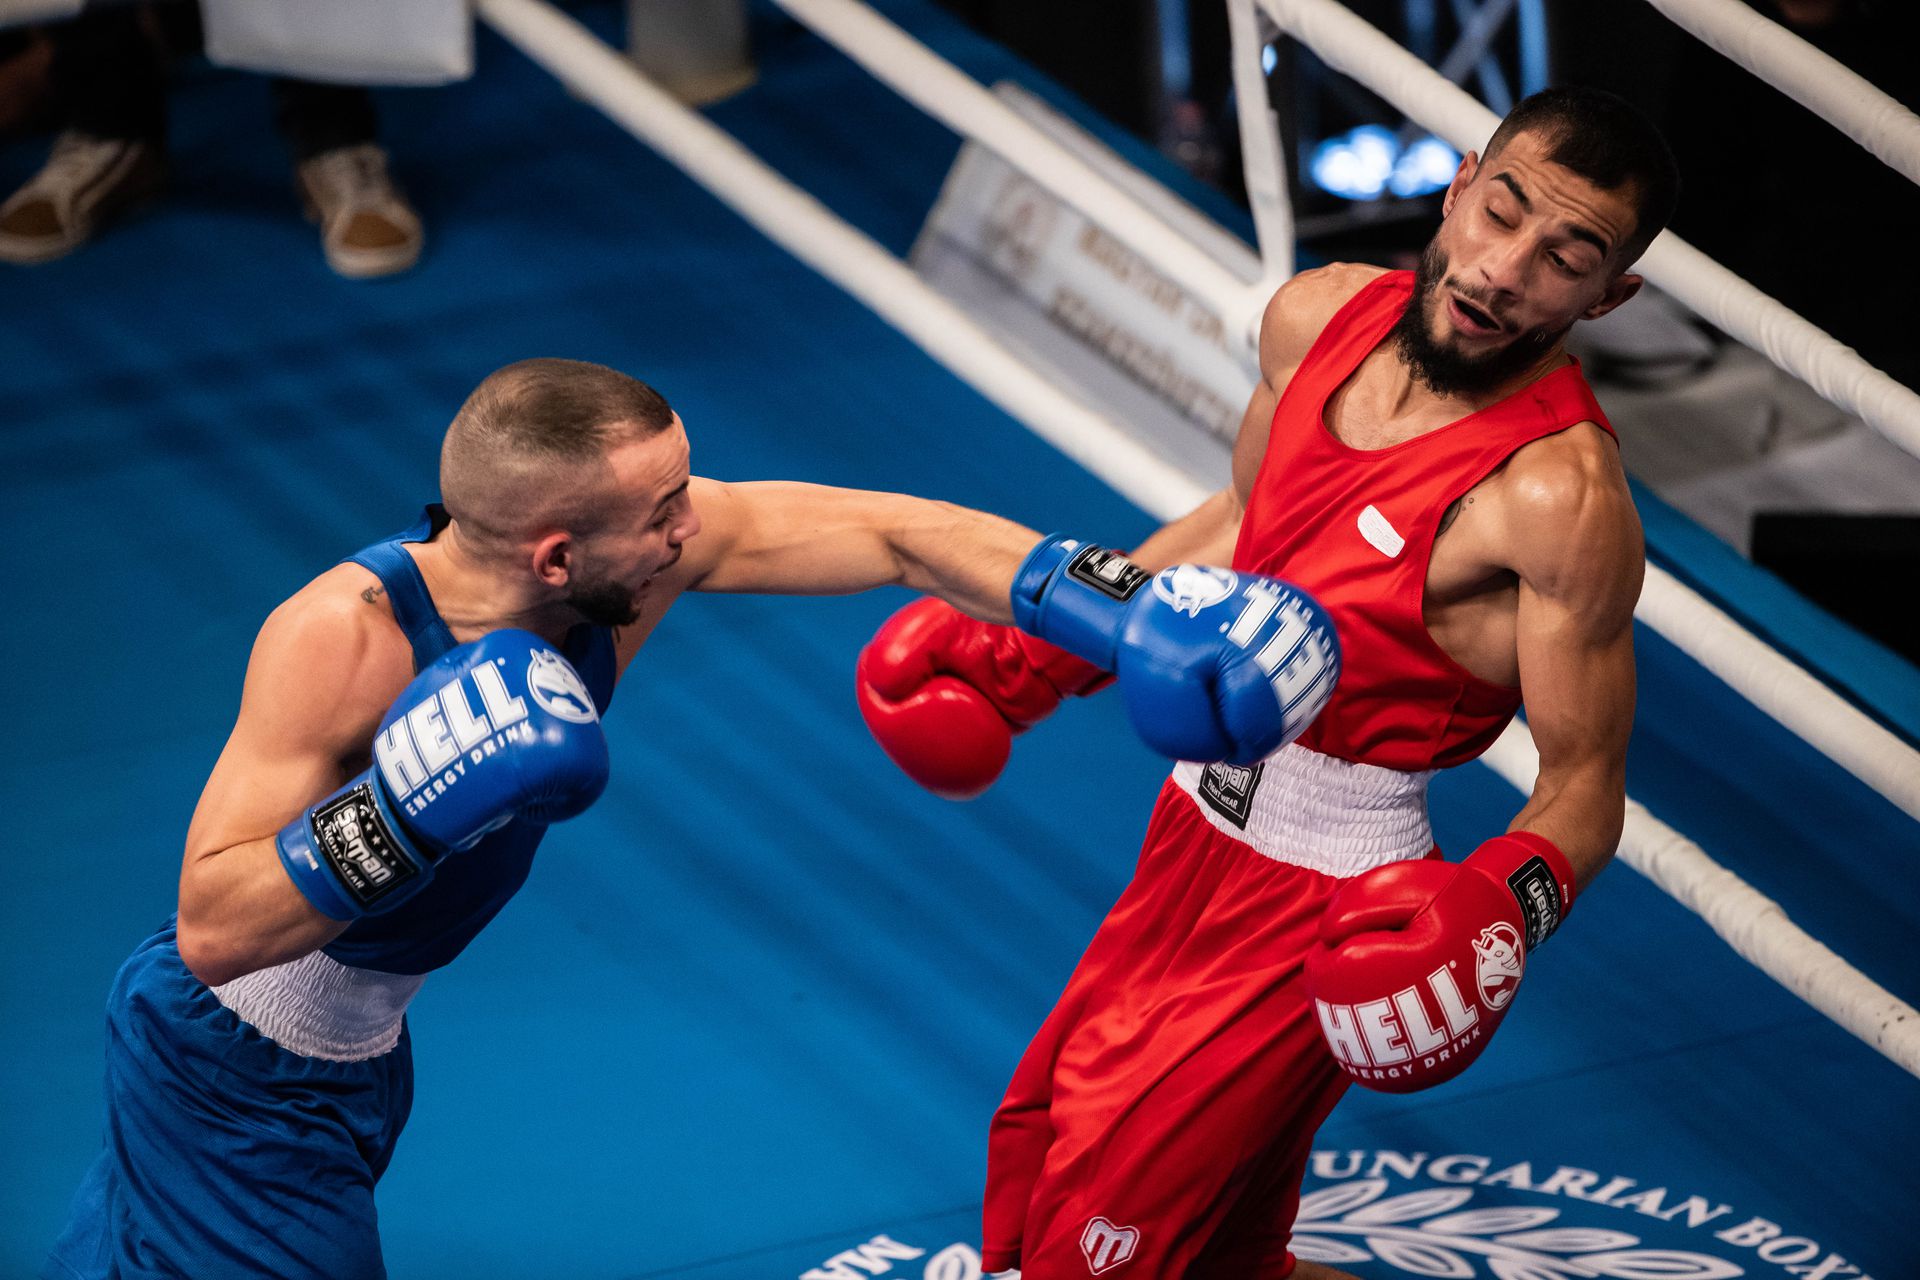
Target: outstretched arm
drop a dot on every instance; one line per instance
(805, 539)
(944, 693)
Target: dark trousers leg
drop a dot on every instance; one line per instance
(109, 76)
(320, 117)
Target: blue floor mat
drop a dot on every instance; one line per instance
(752, 1012)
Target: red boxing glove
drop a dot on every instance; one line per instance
(1417, 962)
(944, 693)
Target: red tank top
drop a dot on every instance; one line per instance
(1355, 527)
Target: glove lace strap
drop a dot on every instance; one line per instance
(1539, 875)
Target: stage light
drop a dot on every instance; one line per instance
(1356, 164)
(1366, 161)
(1426, 166)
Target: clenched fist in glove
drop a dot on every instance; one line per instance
(1213, 664)
(944, 693)
(1417, 962)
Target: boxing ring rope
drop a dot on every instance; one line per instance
(1351, 46)
(1796, 701)
(1843, 98)
(1754, 925)
(955, 99)
(852, 260)
(800, 224)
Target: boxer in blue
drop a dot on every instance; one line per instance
(412, 720)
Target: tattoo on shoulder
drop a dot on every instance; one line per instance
(372, 594)
(1452, 514)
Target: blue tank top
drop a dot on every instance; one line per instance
(469, 887)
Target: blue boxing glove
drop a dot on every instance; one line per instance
(1213, 665)
(499, 729)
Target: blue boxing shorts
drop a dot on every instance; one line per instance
(225, 1154)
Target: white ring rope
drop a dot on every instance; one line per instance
(815, 235)
(1753, 924)
(1798, 702)
(1348, 44)
(811, 232)
(955, 99)
(1842, 97)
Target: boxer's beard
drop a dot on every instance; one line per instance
(1440, 367)
(605, 603)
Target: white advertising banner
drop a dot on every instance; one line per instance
(364, 42)
(1048, 279)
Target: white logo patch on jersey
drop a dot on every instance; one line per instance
(1381, 535)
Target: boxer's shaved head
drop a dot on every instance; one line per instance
(528, 450)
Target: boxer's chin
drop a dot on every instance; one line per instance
(1446, 368)
(605, 604)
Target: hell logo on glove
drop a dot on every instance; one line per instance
(1383, 1039)
(416, 748)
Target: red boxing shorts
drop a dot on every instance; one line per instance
(1160, 1121)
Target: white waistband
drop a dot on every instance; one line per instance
(1299, 806)
(319, 1008)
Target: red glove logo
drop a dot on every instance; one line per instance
(1500, 964)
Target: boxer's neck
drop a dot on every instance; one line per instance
(476, 594)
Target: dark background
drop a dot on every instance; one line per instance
(1770, 189)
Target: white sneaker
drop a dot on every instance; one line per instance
(367, 228)
(85, 182)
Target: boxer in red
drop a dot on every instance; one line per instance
(1424, 456)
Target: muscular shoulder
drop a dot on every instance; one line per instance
(1570, 524)
(1301, 308)
(330, 658)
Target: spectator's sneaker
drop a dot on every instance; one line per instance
(85, 183)
(367, 228)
